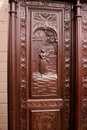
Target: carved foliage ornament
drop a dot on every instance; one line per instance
(45, 20)
(23, 85)
(84, 68)
(23, 82)
(67, 55)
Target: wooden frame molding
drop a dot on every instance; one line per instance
(21, 102)
(74, 1)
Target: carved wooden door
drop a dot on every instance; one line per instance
(41, 62)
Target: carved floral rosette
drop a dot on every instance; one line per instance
(67, 55)
(84, 68)
(45, 121)
(23, 82)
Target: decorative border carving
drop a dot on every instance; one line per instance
(45, 104)
(84, 68)
(66, 62)
(23, 71)
(43, 4)
(67, 55)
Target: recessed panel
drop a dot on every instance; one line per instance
(45, 120)
(45, 39)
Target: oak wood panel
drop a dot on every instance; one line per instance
(43, 14)
(52, 22)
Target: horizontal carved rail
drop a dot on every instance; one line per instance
(45, 103)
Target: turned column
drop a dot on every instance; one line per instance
(78, 43)
(12, 66)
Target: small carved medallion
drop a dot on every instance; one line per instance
(45, 121)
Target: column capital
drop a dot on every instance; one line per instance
(10, 1)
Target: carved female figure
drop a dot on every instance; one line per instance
(43, 55)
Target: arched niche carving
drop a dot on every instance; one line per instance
(45, 50)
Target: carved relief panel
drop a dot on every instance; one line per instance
(45, 120)
(45, 65)
(45, 33)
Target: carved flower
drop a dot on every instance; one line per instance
(45, 123)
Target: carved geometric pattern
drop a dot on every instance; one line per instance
(84, 68)
(23, 82)
(45, 120)
(67, 55)
(45, 104)
(45, 20)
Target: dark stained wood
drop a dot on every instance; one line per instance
(84, 69)
(12, 68)
(71, 1)
(46, 52)
(73, 73)
(78, 20)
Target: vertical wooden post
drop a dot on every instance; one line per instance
(78, 64)
(12, 67)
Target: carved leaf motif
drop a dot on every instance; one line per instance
(66, 93)
(23, 112)
(44, 20)
(84, 68)
(84, 7)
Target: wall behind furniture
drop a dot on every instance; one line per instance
(3, 63)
